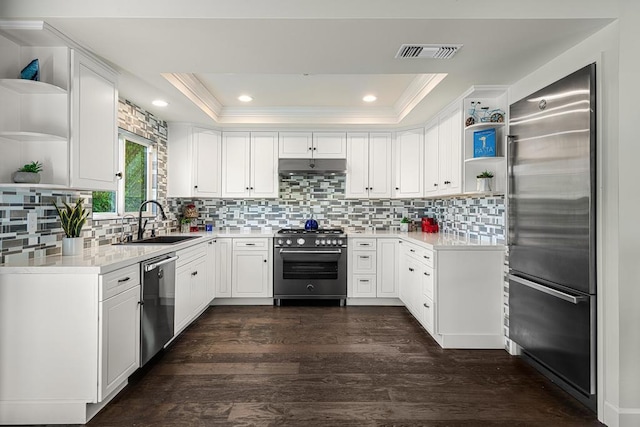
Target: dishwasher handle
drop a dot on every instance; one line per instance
(154, 265)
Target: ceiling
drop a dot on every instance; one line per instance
(305, 66)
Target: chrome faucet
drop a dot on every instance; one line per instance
(140, 224)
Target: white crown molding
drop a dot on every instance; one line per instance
(191, 87)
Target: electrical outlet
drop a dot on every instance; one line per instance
(32, 222)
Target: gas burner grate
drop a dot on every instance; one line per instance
(318, 231)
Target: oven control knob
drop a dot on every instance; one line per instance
(288, 242)
(322, 242)
(340, 242)
(301, 241)
(335, 242)
(280, 241)
(317, 242)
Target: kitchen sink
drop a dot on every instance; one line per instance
(159, 240)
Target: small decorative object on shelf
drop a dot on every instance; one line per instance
(184, 225)
(484, 182)
(484, 143)
(31, 71)
(72, 219)
(191, 213)
(429, 225)
(28, 174)
(404, 224)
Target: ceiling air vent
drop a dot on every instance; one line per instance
(427, 51)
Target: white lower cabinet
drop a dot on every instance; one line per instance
(192, 296)
(252, 272)
(119, 353)
(456, 294)
(223, 263)
(372, 268)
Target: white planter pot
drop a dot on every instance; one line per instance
(484, 185)
(72, 246)
(404, 226)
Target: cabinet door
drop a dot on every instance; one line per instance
(357, 180)
(182, 298)
(212, 256)
(264, 165)
(236, 151)
(223, 268)
(387, 268)
(364, 286)
(449, 147)
(199, 293)
(119, 340)
(295, 145)
(427, 313)
(431, 162)
(207, 157)
(250, 274)
(409, 160)
(179, 156)
(93, 141)
(329, 145)
(380, 165)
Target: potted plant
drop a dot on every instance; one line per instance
(29, 173)
(484, 182)
(404, 224)
(184, 225)
(72, 219)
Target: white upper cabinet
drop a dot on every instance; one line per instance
(409, 162)
(67, 121)
(193, 162)
(369, 165)
(250, 164)
(329, 145)
(431, 163)
(94, 153)
(449, 147)
(317, 145)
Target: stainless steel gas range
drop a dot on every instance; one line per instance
(310, 264)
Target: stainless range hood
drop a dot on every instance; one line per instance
(312, 166)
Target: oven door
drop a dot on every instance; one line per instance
(310, 273)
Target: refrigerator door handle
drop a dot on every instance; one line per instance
(573, 299)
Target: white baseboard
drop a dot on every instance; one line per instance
(42, 412)
(374, 301)
(242, 301)
(620, 417)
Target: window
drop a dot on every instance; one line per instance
(136, 161)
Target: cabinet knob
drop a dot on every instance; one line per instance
(435, 184)
(412, 250)
(246, 188)
(251, 188)
(310, 148)
(195, 273)
(265, 260)
(426, 274)
(195, 186)
(314, 148)
(119, 175)
(397, 188)
(410, 269)
(426, 305)
(447, 182)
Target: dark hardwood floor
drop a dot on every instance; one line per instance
(332, 366)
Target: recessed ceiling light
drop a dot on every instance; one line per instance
(369, 98)
(245, 98)
(160, 103)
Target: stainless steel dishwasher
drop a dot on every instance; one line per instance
(157, 305)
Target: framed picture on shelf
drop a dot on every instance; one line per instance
(484, 143)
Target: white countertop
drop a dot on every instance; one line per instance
(106, 258)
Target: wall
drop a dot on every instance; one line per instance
(323, 198)
(15, 203)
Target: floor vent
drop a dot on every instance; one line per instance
(427, 51)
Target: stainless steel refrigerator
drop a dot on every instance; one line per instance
(552, 236)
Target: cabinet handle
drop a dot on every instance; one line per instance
(195, 273)
(126, 279)
(435, 184)
(410, 269)
(397, 188)
(314, 148)
(412, 250)
(250, 244)
(251, 188)
(447, 182)
(426, 305)
(426, 274)
(364, 280)
(119, 175)
(365, 244)
(424, 256)
(310, 148)
(211, 243)
(364, 256)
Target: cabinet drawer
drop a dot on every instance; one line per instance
(363, 244)
(427, 281)
(428, 314)
(251, 244)
(185, 256)
(119, 281)
(364, 262)
(420, 254)
(364, 285)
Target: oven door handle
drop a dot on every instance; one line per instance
(284, 251)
